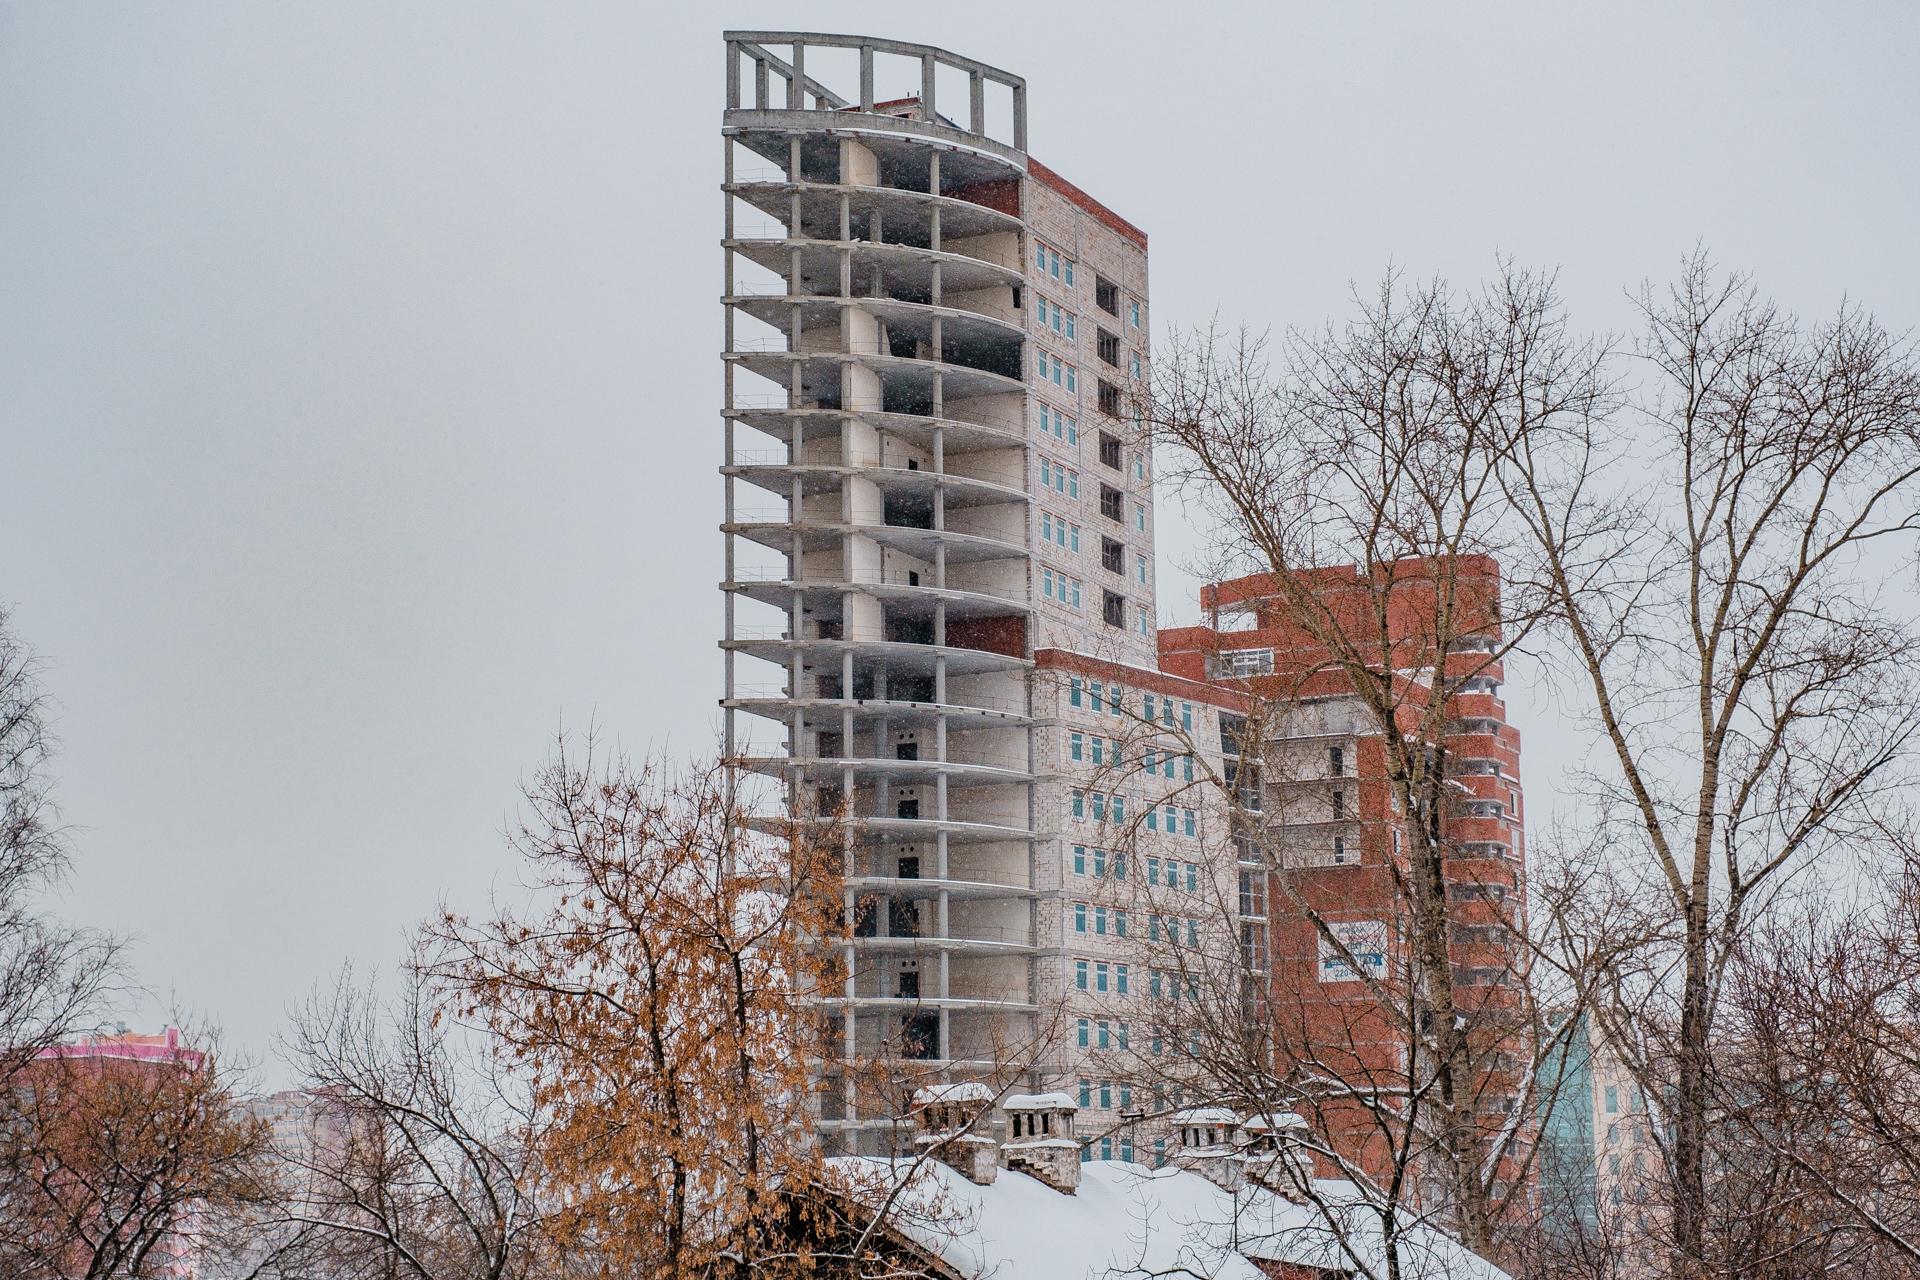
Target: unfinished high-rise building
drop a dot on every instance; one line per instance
(940, 612)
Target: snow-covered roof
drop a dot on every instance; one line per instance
(1206, 1115)
(1284, 1122)
(969, 1091)
(1129, 1219)
(1039, 1102)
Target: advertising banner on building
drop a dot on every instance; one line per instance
(1366, 939)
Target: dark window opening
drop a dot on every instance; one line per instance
(1110, 450)
(1106, 295)
(1110, 503)
(1113, 609)
(906, 751)
(1113, 556)
(1109, 399)
(908, 808)
(1108, 347)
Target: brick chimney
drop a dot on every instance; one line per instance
(1040, 1139)
(948, 1119)
(1207, 1146)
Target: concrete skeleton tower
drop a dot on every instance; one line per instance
(928, 482)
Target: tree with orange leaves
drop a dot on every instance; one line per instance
(117, 1166)
(654, 990)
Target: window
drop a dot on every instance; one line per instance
(1073, 691)
(1109, 399)
(1083, 1033)
(1079, 917)
(1140, 465)
(1100, 973)
(1192, 822)
(1110, 450)
(1613, 1099)
(1120, 979)
(1086, 1094)
(1339, 799)
(1153, 870)
(1133, 314)
(1146, 706)
(1113, 556)
(1106, 295)
(1140, 516)
(1339, 848)
(1248, 662)
(1140, 569)
(1110, 502)
(1076, 746)
(1078, 800)
(1080, 974)
(1119, 919)
(1193, 868)
(1105, 1030)
(1113, 609)
(1336, 762)
(1107, 345)
(1133, 365)
(1100, 862)
(1079, 859)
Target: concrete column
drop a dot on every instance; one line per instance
(799, 76)
(733, 76)
(866, 77)
(762, 86)
(1019, 117)
(928, 81)
(976, 99)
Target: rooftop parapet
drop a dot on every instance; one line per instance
(803, 92)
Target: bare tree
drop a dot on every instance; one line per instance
(54, 979)
(1381, 446)
(1715, 570)
(413, 1156)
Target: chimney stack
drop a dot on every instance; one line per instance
(1040, 1141)
(1206, 1146)
(1273, 1149)
(947, 1115)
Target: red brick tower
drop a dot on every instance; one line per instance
(1329, 812)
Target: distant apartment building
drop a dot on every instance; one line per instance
(940, 614)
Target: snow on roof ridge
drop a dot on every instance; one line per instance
(1039, 1102)
(965, 1091)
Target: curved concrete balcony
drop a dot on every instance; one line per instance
(772, 472)
(895, 267)
(961, 328)
(778, 533)
(908, 375)
(959, 774)
(777, 645)
(934, 886)
(904, 830)
(777, 588)
(919, 1004)
(978, 940)
(772, 416)
(902, 714)
(964, 156)
(772, 190)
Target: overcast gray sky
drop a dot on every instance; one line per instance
(359, 373)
